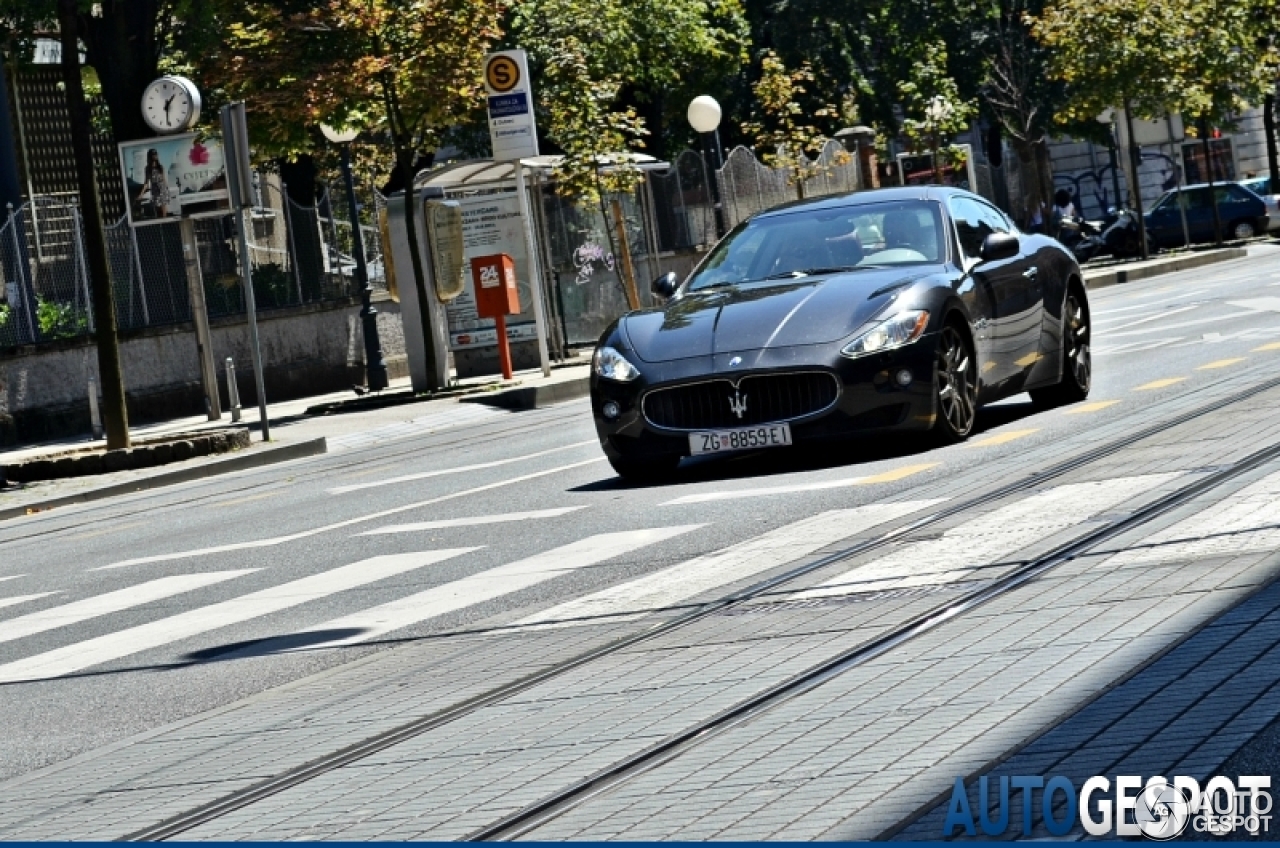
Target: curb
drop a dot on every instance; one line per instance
(312, 447)
(532, 397)
(1182, 263)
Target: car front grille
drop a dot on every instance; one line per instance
(764, 399)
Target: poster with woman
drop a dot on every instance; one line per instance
(174, 177)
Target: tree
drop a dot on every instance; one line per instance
(1115, 53)
(405, 69)
(1227, 64)
(109, 370)
(780, 124)
(931, 106)
(1019, 93)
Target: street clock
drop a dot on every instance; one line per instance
(171, 105)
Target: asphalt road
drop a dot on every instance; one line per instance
(124, 616)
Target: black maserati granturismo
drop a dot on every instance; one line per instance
(895, 309)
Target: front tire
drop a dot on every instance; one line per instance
(955, 386)
(650, 469)
(1077, 358)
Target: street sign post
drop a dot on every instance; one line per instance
(514, 135)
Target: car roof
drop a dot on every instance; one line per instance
(1218, 184)
(861, 198)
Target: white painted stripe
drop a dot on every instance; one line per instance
(679, 583)
(373, 516)
(1214, 319)
(11, 577)
(704, 497)
(121, 599)
(1260, 304)
(461, 469)
(987, 539)
(1162, 315)
(1136, 347)
(474, 520)
(22, 599)
(113, 646)
(494, 583)
(1102, 314)
(1244, 522)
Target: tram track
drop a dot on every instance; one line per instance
(557, 803)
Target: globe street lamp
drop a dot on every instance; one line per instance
(704, 117)
(374, 365)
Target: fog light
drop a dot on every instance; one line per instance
(611, 410)
(903, 377)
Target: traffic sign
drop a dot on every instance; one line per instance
(512, 129)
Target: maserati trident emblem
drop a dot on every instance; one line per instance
(738, 403)
(736, 361)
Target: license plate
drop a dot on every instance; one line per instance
(741, 438)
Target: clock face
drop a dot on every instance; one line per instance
(170, 105)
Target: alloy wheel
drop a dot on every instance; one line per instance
(1079, 359)
(956, 383)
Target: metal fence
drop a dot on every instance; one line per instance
(747, 185)
(299, 254)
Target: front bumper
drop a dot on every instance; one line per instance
(870, 399)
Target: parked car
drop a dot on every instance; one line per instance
(1269, 191)
(795, 328)
(1243, 214)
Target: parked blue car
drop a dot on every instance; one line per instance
(1243, 214)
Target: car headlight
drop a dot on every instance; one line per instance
(611, 365)
(901, 329)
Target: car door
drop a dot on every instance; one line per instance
(1017, 317)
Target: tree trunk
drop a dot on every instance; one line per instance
(120, 44)
(1269, 129)
(1135, 163)
(1213, 195)
(404, 161)
(104, 310)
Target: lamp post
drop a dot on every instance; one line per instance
(374, 365)
(704, 117)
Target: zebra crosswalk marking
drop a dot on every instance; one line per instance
(113, 646)
(121, 599)
(22, 599)
(473, 521)
(679, 583)
(494, 583)
(985, 540)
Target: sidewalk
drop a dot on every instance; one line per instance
(303, 427)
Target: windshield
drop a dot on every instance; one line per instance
(824, 241)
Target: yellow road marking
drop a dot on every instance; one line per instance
(1159, 384)
(1220, 363)
(1271, 346)
(246, 499)
(897, 473)
(116, 529)
(1029, 359)
(1090, 407)
(1002, 438)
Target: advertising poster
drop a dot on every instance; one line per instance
(173, 177)
(491, 224)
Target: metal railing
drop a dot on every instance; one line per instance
(299, 254)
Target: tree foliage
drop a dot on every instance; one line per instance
(597, 64)
(783, 129)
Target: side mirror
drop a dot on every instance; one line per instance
(666, 285)
(999, 246)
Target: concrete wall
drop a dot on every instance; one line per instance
(305, 351)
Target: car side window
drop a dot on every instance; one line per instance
(974, 222)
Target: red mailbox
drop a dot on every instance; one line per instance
(494, 279)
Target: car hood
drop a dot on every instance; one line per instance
(762, 315)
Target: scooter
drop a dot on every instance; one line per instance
(1083, 238)
(1121, 234)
